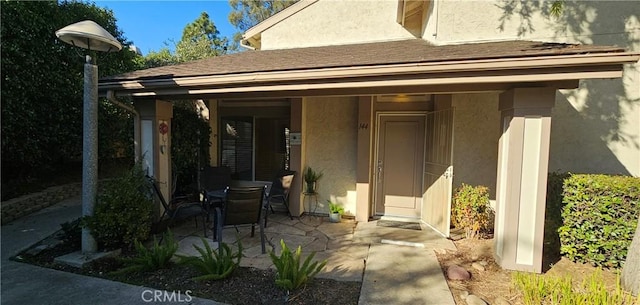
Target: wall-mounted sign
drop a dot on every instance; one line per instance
(295, 138)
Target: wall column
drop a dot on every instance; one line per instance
(212, 105)
(363, 169)
(155, 144)
(295, 161)
(523, 159)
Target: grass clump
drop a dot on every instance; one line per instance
(149, 259)
(538, 289)
(290, 274)
(214, 265)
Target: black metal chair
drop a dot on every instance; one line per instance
(214, 182)
(242, 206)
(279, 192)
(179, 208)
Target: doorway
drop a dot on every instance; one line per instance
(399, 164)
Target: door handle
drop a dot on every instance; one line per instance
(380, 171)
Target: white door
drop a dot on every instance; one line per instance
(438, 170)
(399, 159)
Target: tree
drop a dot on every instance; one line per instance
(163, 57)
(42, 85)
(200, 39)
(245, 14)
(631, 269)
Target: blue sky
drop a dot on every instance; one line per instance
(148, 24)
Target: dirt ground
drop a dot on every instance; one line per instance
(496, 282)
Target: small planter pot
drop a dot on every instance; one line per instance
(310, 187)
(335, 217)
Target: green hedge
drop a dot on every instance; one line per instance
(599, 218)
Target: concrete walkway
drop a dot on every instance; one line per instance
(396, 266)
(26, 284)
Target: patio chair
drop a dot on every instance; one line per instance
(279, 192)
(242, 206)
(214, 182)
(179, 208)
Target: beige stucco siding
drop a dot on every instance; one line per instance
(453, 21)
(330, 145)
(476, 131)
(596, 128)
(336, 22)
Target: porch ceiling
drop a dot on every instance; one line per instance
(375, 68)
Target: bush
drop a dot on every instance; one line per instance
(157, 257)
(72, 232)
(290, 275)
(189, 141)
(123, 211)
(214, 265)
(470, 209)
(599, 218)
(553, 217)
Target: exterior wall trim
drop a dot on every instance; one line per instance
(511, 66)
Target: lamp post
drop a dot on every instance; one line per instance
(91, 36)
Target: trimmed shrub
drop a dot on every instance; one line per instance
(599, 218)
(553, 217)
(471, 210)
(123, 211)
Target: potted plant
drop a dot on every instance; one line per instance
(310, 178)
(335, 212)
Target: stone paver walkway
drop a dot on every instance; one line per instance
(395, 266)
(390, 271)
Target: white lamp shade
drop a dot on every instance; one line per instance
(89, 35)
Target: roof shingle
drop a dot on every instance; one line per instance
(364, 54)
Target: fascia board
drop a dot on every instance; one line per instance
(516, 65)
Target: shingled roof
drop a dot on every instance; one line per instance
(354, 55)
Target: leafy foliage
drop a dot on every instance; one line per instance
(72, 232)
(214, 265)
(290, 274)
(247, 13)
(470, 209)
(42, 88)
(200, 39)
(123, 211)
(599, 218)
(539, 289)
(335, 208)
(311, 176)
(157, 257)
(189, 143)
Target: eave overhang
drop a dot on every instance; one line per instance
(560, 71)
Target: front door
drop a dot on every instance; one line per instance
(399, 159)
(438, 170)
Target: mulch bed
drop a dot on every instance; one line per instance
(244, 286)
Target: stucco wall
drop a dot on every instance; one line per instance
(336, 22)
(476, 133)
(330, 144)
(596, 128)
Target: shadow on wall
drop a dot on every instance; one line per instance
(595, 119)
(588, 131)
